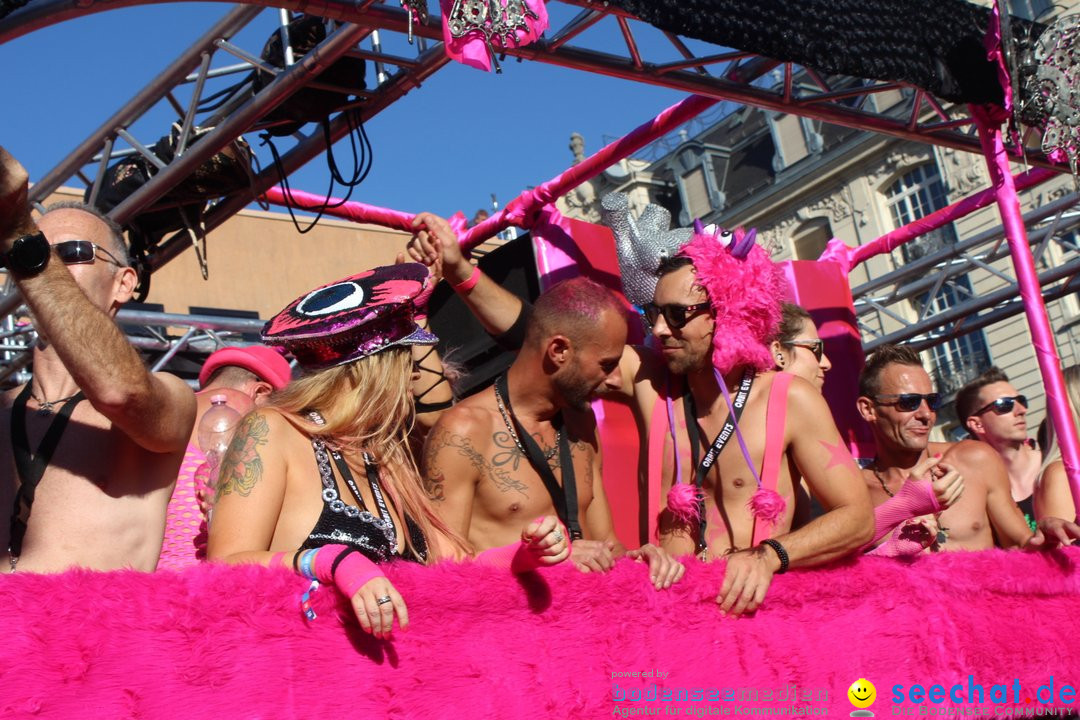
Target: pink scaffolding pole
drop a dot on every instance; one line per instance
(1031, 294)
(355, 211)
(519, 210)
(892, 240)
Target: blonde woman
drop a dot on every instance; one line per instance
(322, 478)
(1053, 498)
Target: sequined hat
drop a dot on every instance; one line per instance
(353, 317)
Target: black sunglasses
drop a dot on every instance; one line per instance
(909, 402)
(815, 346)
(76, 252)
(675, 315)
(1003, 405)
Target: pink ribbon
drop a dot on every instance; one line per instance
(471, 49)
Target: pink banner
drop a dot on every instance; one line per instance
(1031, 293)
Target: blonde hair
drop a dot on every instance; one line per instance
(1052, 451)
(367, 406)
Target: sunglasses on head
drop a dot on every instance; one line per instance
(76, 252)
(815, 346)
(909, 402)
(1003, 405)
(675, 315)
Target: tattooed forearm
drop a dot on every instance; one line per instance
(242, 467)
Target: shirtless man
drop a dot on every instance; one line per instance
(995, 413)
(897, 398)
(528, 446)
(101, 500)
(740, 311)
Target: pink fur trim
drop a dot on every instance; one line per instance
(229, 642)
(682, 501)
(746, 295)
(767, 506)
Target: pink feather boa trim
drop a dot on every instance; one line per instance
(682, 501)
(767, 506)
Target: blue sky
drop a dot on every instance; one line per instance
(438, 148)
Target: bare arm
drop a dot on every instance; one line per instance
(1053, 498)
(155, 410)
(452, 467)
(495, 307)
(250, 493)
(833, 477)
(1008, 522)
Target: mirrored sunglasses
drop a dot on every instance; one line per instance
(76, 252)
(909, 402)
(1003, 405)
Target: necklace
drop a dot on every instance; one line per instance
(881, 480)
(45, 407)
(548, 454)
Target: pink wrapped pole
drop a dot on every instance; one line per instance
(355, 211)
(892, 240)
(521, 208)
(1031, 295)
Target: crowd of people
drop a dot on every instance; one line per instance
(361, 460)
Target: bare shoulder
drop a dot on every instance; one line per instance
(968, 452)
(471, 417)
(805, 402)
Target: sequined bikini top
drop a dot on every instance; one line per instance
(340, 522)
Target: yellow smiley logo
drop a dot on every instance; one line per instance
(862, 693)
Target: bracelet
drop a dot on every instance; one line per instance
(341, 556)
(780, 553)
(469, 283)
(305, 564)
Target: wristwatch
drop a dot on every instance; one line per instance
(28, 255)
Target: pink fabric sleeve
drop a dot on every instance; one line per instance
(352, 573)
(914, 498)
(516, 557)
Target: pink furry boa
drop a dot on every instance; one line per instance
(229, 642)
(746, 295)
(682, 501)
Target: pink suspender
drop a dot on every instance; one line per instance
(775, 422)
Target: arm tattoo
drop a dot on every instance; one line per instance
(840, 456)
(242, 467)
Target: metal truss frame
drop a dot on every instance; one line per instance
(894, 295)
(678, 63)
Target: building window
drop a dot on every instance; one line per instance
(697, 193)
(811, 238)
(914, 195)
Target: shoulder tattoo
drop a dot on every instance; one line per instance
(242, 467)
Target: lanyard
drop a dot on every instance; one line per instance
(718, 443)
(31, 468)
(563, 498)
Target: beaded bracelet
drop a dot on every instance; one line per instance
(780, 553)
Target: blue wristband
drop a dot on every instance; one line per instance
(306, 561)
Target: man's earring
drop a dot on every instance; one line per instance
(779, 359)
